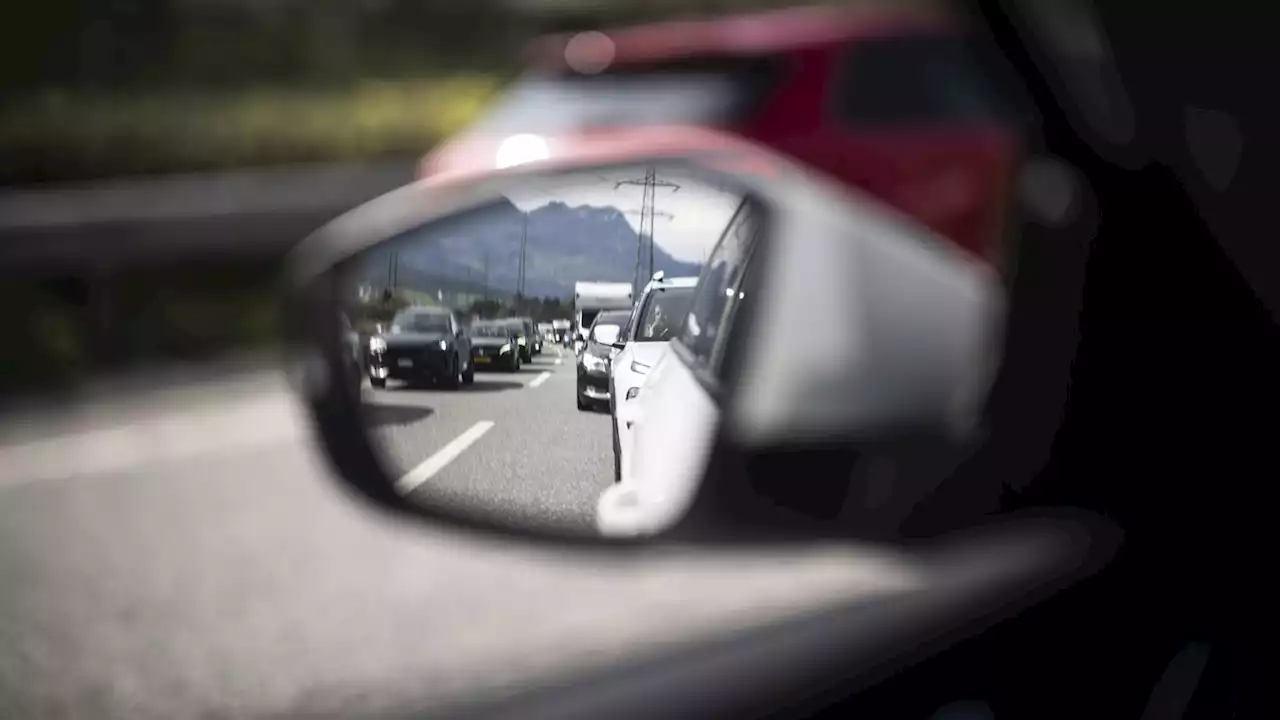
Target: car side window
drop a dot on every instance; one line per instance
(627, 329)
(744, 295)
(921, 80)
(717, 287)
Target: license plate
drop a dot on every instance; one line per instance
(481, 360)
(405, 362)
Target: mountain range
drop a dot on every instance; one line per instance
(565, 244)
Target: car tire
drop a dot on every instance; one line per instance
(583, 405)
(469, 375)
(454, 379)
(379, 383)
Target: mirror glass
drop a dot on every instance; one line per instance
(483, 341)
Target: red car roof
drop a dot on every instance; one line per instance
(765, 33)
(473, 158)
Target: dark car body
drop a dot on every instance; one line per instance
(593, 363)
(424, 344)
(533, 334)
(524, 338)
(494, 346)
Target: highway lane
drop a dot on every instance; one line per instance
(535, 460)
(172, 554)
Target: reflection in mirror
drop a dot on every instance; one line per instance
(486, 338)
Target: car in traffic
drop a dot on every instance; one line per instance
(523, 342)
(890, 101)
(534, 337)
(664, 302)
(423, 344)
(592, 388)
(494, 345)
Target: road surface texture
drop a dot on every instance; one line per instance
(535, 459)
(181, 550)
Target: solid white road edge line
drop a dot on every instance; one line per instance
(540, 379)
(441, 458)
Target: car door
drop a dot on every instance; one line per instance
(676, 421)
(623, 358)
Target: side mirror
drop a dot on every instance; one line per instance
(902, 369)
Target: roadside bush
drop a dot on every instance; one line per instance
(59, 136)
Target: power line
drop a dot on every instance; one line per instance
(650, 183)
(524, 236)
(640, 239)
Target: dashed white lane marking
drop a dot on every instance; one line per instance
(540, 379)
(558, 361)
(445, 455)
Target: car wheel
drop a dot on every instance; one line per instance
(453, 380)
(379, 383)
(583, 404)
(469, 375)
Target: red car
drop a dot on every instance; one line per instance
(890, 102)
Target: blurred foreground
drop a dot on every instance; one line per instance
(213, 569)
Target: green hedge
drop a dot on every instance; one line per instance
(58, 336)
(59, 136)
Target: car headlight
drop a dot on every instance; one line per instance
(504, 349)
(377, 344)
(444, 344)
(594, 362)
(639, 367)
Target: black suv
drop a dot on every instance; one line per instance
(424, 343)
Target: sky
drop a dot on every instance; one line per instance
(700, 211)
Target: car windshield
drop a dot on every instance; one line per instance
(489, 330)
(704, 91)
(663, 313)
(420, 322)
(515, 328)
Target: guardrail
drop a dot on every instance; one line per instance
(257, 213)
(89, 269)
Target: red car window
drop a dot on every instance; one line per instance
(712, 91)
(899, 82)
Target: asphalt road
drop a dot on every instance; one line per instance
(178, 549)
(536, 459)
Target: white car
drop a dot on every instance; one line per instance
(913, 347)
(655, 319)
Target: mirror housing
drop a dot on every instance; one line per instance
(912, 346)
(915, 329)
